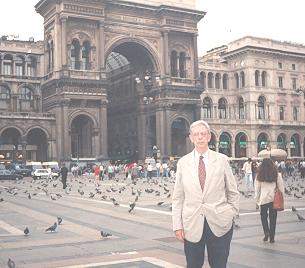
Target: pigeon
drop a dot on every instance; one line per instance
(132, 206)
(104, 234)
(52, 228)
(293, 209)
(11, 263)
(59, 220)
(29, 196)
(160, 203)
(1, 199)
(300, 217)
(26, 231)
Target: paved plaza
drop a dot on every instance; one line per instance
(139, 238)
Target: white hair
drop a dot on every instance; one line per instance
(200, 122)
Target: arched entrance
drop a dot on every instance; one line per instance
(241, 145)
(82, 137)
(10, 145)
(295, 147)
(225, 144)
(179, 130)
(37, 145)
(262, 141)
(212, 142)
(133, 71)
(281, 142)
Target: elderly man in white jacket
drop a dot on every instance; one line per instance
(205, 200)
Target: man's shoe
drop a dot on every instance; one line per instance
(266, 237)
(271, 241)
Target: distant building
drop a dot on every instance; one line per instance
(250, 96)
(110, 80)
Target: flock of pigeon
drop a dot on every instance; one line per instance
(111, 191)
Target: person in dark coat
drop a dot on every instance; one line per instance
(64, 175)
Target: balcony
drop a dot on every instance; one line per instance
(27, 115)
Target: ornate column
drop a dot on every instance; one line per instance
(103, 148)
(160, 129)
(64, 40)
(165, 53)
(64, 131)
(141, 130)
(196, 69)
(101, 51)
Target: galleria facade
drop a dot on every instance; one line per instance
(122, 80)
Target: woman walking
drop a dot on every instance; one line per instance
(267, 179)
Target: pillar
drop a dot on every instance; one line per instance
(165, 53)
(64, 40)
(101, 51)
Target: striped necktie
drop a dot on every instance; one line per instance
(201, 172)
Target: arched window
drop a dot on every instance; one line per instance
(242, 79)
(225, 80)
(207, 108)
(217, 80)
(203, 80)
(4, 93)
(26, 93)
(8, 65)
(241, 108)
(236, 77)
(282, 113)
(182, 65)
(264, 78)
(75, 54)
(210, 80)
(19, 66)
(222, 108)
(174, 67)
(50, 51)
(31, 66)
(261, 107)
(256, 78)
(86, 55)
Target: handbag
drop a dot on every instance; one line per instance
(278, 202)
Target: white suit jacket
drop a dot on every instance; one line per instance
(218, 203)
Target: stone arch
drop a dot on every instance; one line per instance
(152, 52)
(179, 134)
(82, 112)
(37, 144)
(263, 139)
(241, 140)
(82, 136)
(225, 143)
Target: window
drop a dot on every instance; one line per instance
(182, 63)
(75, 55)
(8, 65)
(225, 81)
(86, 56)
(19, 66)
(217, 81)
(26, 93)
(50, 51)
(241, 109)
(294, 83)
(256, 78)
(174, 68)
(242, 78)
(280, 81)
(264, 77)
(203, 80)
(4, 93)
(295, 114)
(210, 80)
(31, 67)
(282, 113)
(236, 76)
(261, 107)
(280, 65)
(222, 108)
(207, 108)
(293, 66)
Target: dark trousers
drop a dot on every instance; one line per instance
(268, 227)
(218, 249)
(64, 182)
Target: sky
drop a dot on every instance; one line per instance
(224, 22)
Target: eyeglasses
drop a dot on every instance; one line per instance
(196, 134)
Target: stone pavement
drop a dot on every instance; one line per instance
(142, 238)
